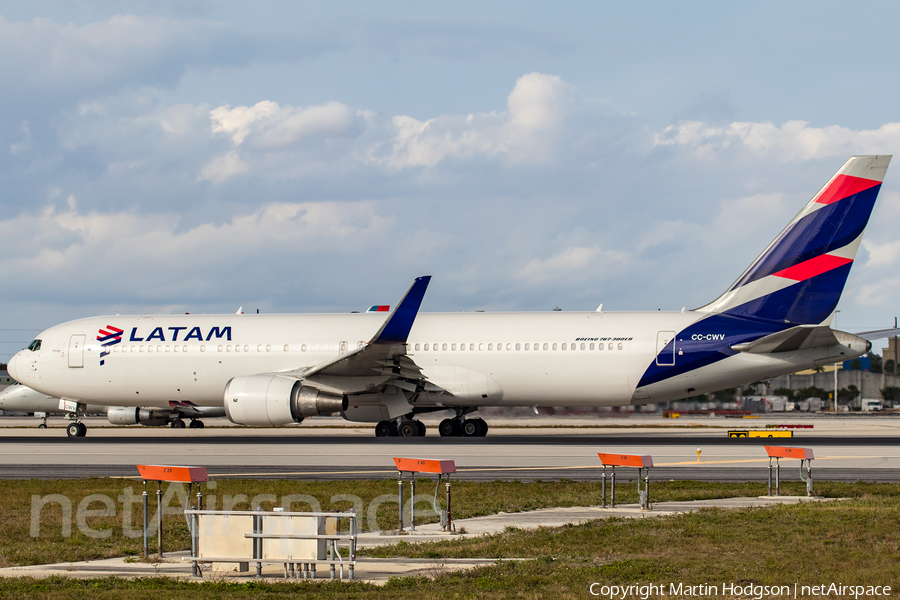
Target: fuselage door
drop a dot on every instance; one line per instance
(76, 351)
(663, 339)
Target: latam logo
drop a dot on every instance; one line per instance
(108, 337)
(113, 335)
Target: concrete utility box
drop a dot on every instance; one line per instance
(295, 550)
(222, 536)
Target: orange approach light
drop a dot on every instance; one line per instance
(784, 452)
(172, 474)
(625, 460)
(425, 465)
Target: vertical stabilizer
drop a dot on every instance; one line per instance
(799, 278)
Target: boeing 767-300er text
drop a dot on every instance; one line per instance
(277, 369)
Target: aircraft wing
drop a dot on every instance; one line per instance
(791, 340)
(383, 358)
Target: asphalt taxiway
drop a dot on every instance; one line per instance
(549, 448)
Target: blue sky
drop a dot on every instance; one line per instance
(293, 157)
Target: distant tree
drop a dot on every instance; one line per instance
(889, 366)
(784, 392)
(890, 393)
(855, 365)
(810, 392)
(847, 394)
(819, 369)
(726, 395)
(875, 362)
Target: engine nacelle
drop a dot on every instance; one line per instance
(269, 400)
(126, 415)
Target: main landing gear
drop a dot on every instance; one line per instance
(406, 428)
(463, 427)
(457, 427)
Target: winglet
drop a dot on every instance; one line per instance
(396, 329)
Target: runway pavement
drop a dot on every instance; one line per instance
(549, 448)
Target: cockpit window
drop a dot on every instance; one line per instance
(35, 345)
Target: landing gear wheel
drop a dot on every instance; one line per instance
(384, 429)
(408, 429)
(195, 424)
(482, 427)
(177, 424)
(72, 430)
(421, 426)
(82, 429)
(449, 428)
(470, 428)
(42, 426)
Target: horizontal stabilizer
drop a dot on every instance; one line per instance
(790, 340)
(879, 334)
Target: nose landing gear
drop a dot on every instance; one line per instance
(76, 430)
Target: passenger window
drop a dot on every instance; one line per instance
(167, 348)
(159, 348)
(490, 346)
(453, 346)
(518, 346)
(610, 346)
(620, 345)
(259, 348)
(142, 348)
(228, 348)
(545, 345)
(246, 348)
(508, 346)
(287, 347)
(417, 347)
(302, 348)
(434, 347)
(426, 347)
(149, 348)
(528, 346)
(237, 348)
(582, 345)
(592, 346)
(554, 346)
(268, 347)
(202, 348)
(220, 348)
(499, 347)
(572, 347)
(481, 347)
(444, 347)
(563, 347)
(184, 348)
(471, 346)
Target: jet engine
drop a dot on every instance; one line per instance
(126, 415)
(268, 400)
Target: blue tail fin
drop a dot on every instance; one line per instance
(799, 278)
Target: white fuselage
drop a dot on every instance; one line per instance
(530, 359)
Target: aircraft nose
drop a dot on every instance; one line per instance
(11, 366)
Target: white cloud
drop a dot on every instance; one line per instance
(222, 167)
(793, 141)
(577, 261)
(881, 255)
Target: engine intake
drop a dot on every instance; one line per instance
(269, 400)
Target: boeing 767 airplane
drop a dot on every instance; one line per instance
(278, 369)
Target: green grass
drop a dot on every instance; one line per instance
(854, 542)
